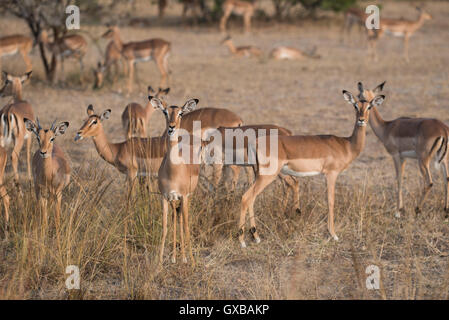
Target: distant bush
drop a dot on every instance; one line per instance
(283, 7)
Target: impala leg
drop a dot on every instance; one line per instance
(28, 150)
(163, 71)
(446, 189)
(15, 162)
(248, 205)
(247, 22)
(293, 184)
(406, 37)
(43, 207)
(331, 178)
(399, 164)
(235, 176)
(81, 71)
(27, 60)
(164, 228)
(185, 214)
(4, 194)
(130, 75)
(181, 233)
(58, 210)
(425, 171)
(175, 219)
(223, 20)
(217, 173)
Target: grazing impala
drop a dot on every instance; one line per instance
(290, 53)
(423, 139)
(177, 180)
(51, 168)
(238, 7)
(112, 58)
(398, 28)
(12, 128)
(3, 191)
(17, 43)
(245, 51)
(302, 156)
(68, 46)
(133, 157)
(135, 117)
(152, 49)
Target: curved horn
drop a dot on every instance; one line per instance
(38, 124)
(53, 125)
(360, 87)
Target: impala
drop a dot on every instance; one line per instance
(152, 49)
(353, 16)
(112, 58)
(135, 117)
(51, 168)
(133, 157)
(12, 128)
(423, 139)
(17, 43)
(290, 53)
(398, 28)
(302, 156)
(245, 51)
(68, 46)
(177, 180)
(238, 7)
(3, 191)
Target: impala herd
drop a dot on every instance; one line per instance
(139, 156)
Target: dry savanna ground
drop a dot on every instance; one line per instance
(115, 241)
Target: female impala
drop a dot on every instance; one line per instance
(133, 157)
(290, 53)
(238, 7)
(12, 128)
(151, 49)
(302, 156)
(68, 46)
(423, 139)
(246, 51)
(135, 117)
(51, 168)
(177, 180)
(16, 43)
(398, 28)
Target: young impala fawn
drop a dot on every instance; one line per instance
(12, 128)
(51, 168)
(68, 46)
(135, 117)
(245, 51)
(16, 43)
(238, 7)
(302, 156)
(424, 139)
(398, 28)
(136, 51)
(177, 179)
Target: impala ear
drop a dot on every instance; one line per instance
(379, 88)
(164, 91)
(377, 101)
(348, 97)
(61, 128)
(30, 126)
(105, 115)
(156, 103)
(190, 105)
(90, 110)
(151, 90)
(26, 76)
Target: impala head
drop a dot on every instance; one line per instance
(362, 105)
(109, 34)
(368, 94)
(160, 93)
(92, 125)
(424, 15)
(173, 114)
(225, 40)
(12, 84)
(99, 75)
(46, 137)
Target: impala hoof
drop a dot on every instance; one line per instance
(243, 244)
(184, 260)
(298, 211)
(417, 210)
(335, 237)
(397, 214)
(257, 239)
(173, 260)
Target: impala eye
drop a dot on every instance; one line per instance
(94, 122)
(52, 139)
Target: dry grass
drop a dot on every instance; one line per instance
(115, 242)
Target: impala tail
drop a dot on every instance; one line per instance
(8, 122)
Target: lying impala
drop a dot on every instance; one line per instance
(241, 8)
(302, 156)
(68, 46)
(16, 43)
(12, 128)
(177, 180)
(51, 168)
(135, 117)
(245, 51)
(398, 28)
(290, 53)
(423, 139)
(152, 49)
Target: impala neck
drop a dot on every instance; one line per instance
(357, 139)
(149, 111)
(377, 123)
(17, 92)
(48, 167)
(118, 41)
(105, 149)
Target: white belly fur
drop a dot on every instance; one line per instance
(286, 170)
(409, 154)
